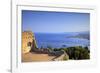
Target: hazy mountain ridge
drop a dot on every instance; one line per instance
(84, 35)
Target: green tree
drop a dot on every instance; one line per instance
(76, 54)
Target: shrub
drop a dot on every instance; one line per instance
(65, 58)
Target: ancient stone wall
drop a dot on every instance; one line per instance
(28, 41)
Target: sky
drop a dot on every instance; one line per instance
(55, 22)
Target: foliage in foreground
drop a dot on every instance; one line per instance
(76, 53)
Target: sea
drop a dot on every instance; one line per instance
(61, 40)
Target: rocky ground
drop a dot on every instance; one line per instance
(35, 57)
(31, 57)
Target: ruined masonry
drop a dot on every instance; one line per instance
(28, 41)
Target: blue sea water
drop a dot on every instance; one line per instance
(59, 40)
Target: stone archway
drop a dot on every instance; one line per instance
(29, 44)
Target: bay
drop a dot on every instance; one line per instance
(60, 40)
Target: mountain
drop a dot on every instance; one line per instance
(84, 35)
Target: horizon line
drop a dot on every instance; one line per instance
(56, 32)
